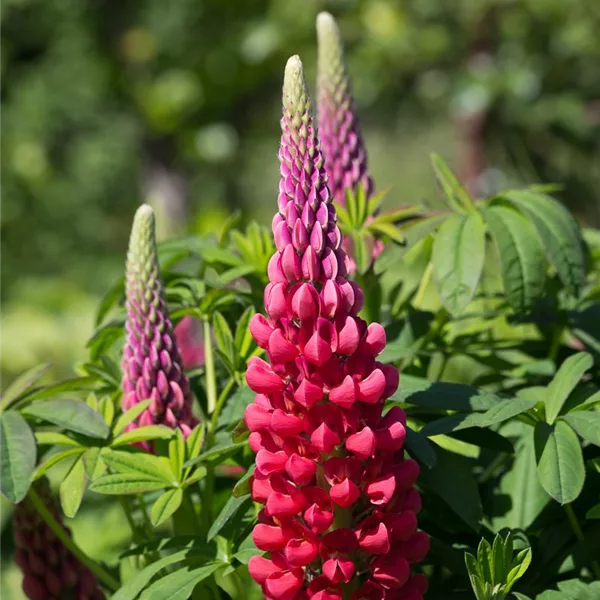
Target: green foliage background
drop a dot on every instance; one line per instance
(108, 103)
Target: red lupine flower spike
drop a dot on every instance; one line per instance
(339, 506)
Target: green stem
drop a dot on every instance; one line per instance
(209, 364)
(219, 405)
(103, 576)
(579, 535)
(127, 510)
(147, 523)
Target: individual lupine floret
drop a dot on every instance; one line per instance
(343, 147)
(339, 503)
(152, 367)
(50, 571)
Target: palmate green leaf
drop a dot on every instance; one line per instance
(166, 504)
(69, 414)
(558, 232)
(17, 456)
(586, 424)
(443, 395)
(232, 507)
(451, 479)
(500, 412)
(564, 382)
(141, 434)
(112, 297)
(181, 584)
(458, 256)
(22, 383)
(560, 464)
(521, 256)
(72, 488)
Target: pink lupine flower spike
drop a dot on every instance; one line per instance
(339, 506)
(152, 367)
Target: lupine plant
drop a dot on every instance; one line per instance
(420, 422)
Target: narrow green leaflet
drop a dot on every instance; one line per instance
(419, 447)
(140, 434)
(521, 256)
(564, 383)
(522, 485)
(181, 584)
(233, 505)
(242, 487)
(72, 415)
(22, 383)
(165, 505)
(457, 197)
(93, 463)
(134, 586)
(560, 464)
(17, 456)
(502, 411)
(458, 254)
(559, 234)
(140, 463)
(586, 424)
(72, 488)
(75, 384)
(54, 459)
(442, 395)
(127, 417)
(54, 438)
(451, 479)
(127, 483)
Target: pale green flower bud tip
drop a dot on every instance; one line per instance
(327, 28)
(295, 93)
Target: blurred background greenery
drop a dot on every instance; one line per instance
(108, 103)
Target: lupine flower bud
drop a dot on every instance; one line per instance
(152, 366)
(343, 147)
(339, 503)
(50, 571)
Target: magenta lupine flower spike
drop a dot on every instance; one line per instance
(343, 147)
(50, 571)
(151, 361)
(339, 506)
